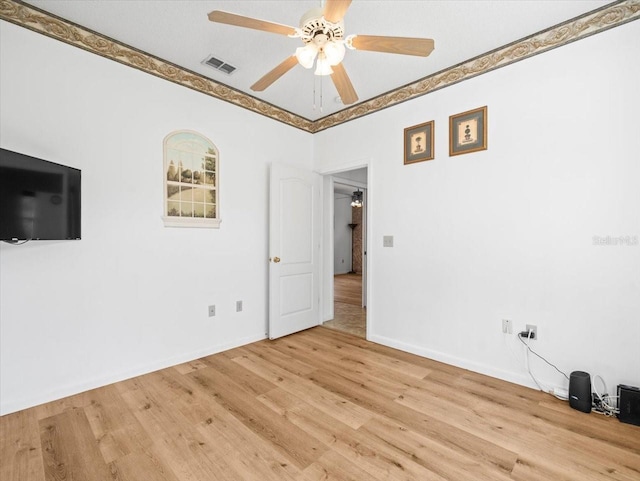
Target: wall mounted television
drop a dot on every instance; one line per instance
(39, 200)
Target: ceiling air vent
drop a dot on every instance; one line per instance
(218, 64)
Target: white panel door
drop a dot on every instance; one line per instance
(294, 250)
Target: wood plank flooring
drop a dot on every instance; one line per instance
(317, 405)
(348, 314)
(347, 288)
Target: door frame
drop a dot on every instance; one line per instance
(327, 271)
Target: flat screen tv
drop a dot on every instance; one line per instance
(39, 200)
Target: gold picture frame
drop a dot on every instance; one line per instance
(419, 143)
(468, 131)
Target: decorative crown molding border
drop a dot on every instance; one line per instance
(607, 17)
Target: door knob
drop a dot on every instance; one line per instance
(276, 259)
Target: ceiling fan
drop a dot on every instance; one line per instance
(322, 32)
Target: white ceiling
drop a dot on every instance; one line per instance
(180, 32)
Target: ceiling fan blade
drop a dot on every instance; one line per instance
(275, 74)
(421, 47)
(219, 16)
(343, 84)
(334, 10)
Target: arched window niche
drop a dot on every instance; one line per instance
(191, 163)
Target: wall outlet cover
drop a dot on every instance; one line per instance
(534, 328)
(507, 326)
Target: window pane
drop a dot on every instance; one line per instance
(186, 209)
(211, 197)
(172, 190)
(172, 171)
(198, 195)
(211, 211)
(209, 163)
(198, 210)
(209, 178)
(173, 209)
(186, 175)
(185, 193)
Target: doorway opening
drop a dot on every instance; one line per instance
(348, 267)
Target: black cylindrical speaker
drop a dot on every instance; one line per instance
(580, 391)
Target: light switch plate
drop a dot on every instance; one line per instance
(387, 241)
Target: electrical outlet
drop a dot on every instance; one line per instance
(507, 326)
(212, 310)
(534, 328)
(387, 241)
(238, 306)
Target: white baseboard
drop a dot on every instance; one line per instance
(516, 378)
(69, 390)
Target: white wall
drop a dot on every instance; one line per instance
(505, 233)
(131, 296)
(508, 232)
(341, 234)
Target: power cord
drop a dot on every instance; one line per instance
(527, 364)
(538, 355)
(602, 404)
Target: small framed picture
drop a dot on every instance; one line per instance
(418, 143)
(468, 131)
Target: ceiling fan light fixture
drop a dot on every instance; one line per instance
(334, 52)
(306, 55)
(325, 44)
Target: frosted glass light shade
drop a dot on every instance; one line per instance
(334, 52)
(306, 55)
(322, 65)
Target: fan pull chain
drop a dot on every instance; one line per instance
(321, 94)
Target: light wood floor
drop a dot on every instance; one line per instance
(317, 405)
(347, 288)
(348, 313)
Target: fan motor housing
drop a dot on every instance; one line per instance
(313, 24)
